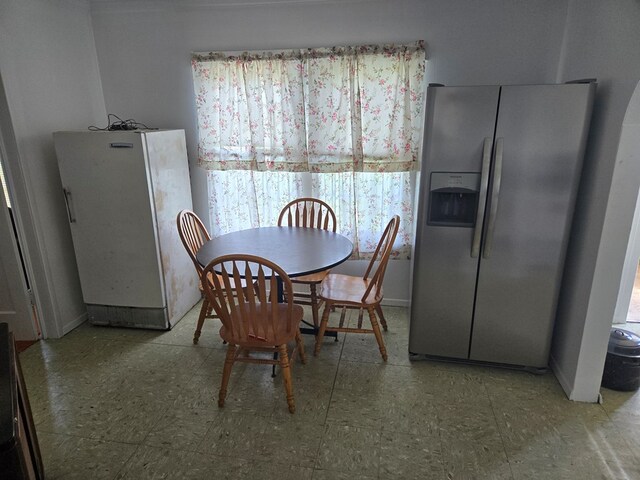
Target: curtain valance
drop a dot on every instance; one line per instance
(325, 110)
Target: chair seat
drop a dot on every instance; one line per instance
(278, 337)
(347, 290)
(311, 278)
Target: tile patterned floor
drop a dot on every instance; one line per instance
(133, 404)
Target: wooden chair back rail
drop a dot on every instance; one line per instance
(308, 212)
(383, 251)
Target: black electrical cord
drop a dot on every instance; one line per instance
(119, 124)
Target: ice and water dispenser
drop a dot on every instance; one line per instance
(453, 199)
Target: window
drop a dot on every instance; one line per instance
(340, 124)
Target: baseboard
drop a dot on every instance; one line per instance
(395, 302)
(67, 327)
(564, 383)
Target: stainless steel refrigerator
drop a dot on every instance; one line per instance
(123, 191)
(498, 185)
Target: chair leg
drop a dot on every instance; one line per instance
(286, 376)
(226, 373)
(314, 304)
(377, 333)
(381, 317)
(204, 311)
(323, 328)
(300, 344)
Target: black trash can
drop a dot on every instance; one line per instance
(622, 366)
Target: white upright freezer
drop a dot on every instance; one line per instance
(123, 190)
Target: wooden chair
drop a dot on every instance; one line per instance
(363, 293)
(311, 213)
(254, 320)
(194, 234)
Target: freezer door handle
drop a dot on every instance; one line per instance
(482, 198)
(67, 200)
(495, 195)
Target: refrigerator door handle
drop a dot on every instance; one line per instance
(495, 195)
(482, 198)
(67, 200)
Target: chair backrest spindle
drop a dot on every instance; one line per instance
(253, 314)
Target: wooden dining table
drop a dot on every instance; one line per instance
(297, 250)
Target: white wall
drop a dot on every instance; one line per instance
(144, 52)
(51, 79)
(602, 40)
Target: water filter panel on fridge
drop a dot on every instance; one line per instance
(453, 199)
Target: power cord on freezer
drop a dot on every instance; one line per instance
(119, 124)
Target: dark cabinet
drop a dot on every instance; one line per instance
(19, 451)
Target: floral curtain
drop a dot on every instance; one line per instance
(364, 202)
(343, 124)
(251, 113)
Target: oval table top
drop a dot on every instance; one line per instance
(297, 250)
